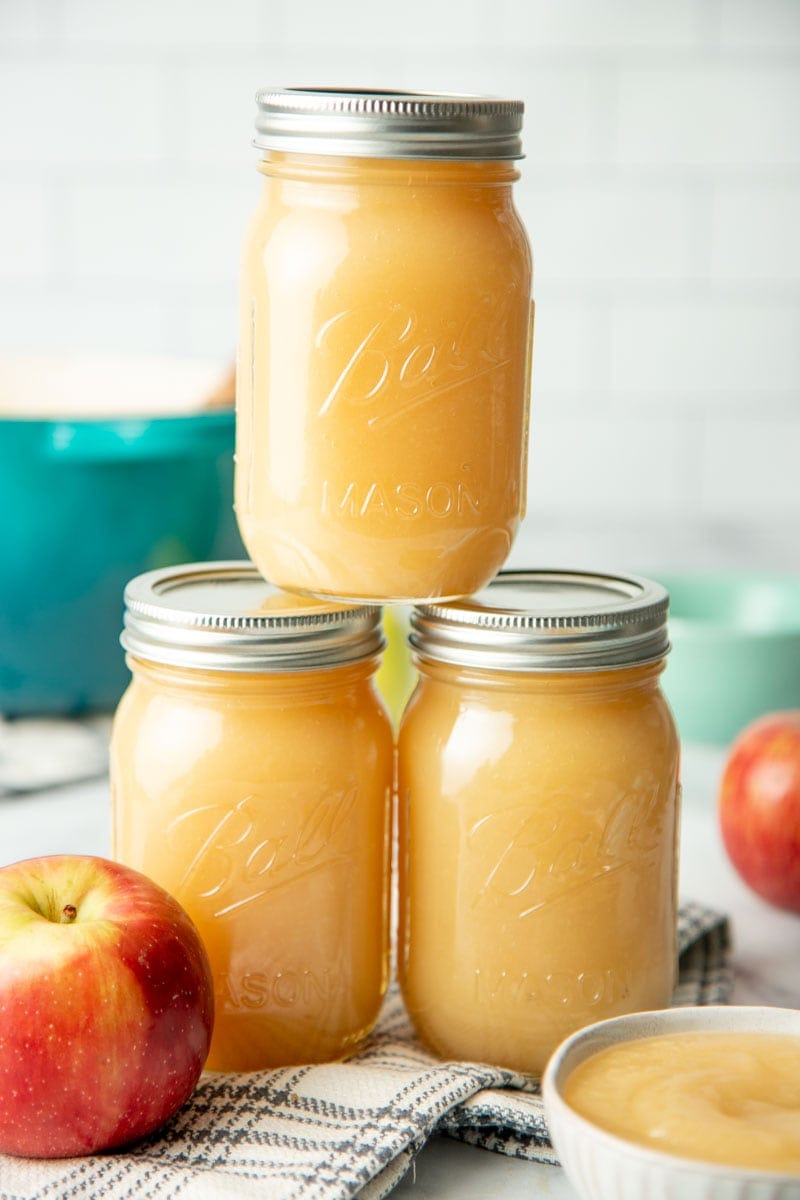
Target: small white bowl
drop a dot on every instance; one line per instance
(602, 1166)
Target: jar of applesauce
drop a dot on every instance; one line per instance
(385, 344)
(538, 796)
(251, 768)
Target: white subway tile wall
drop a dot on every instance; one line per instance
(661, 189)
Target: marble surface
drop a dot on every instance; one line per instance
(75, 819)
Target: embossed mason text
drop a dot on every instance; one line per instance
(405, 500)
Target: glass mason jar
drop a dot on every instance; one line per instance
(538, 797)
(251, 768)
(385, 343)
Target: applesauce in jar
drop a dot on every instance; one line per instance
(251, 769)
(538, 796)
(385, 343)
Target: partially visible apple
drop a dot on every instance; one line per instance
(106, 1006)
(759, 807)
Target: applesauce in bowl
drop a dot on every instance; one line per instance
(695, 1103)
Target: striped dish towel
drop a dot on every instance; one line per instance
(343, 1130)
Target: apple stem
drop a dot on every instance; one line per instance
(68, 914)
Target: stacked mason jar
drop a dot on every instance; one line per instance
(382, 427)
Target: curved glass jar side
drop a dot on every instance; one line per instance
(538, 857)
(262, 803)
(384, 375)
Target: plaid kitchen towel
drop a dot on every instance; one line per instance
(342, 1130)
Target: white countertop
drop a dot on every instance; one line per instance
(75, 819)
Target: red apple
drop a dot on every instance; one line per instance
(106, 1006)
(759, 807)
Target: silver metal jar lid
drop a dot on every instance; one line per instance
(224, 617)
(548, 621)
(369, 124)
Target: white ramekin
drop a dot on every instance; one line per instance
(602, 1166)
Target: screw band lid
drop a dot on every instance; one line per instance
(375, 124)
(224, 617)
(548, 621)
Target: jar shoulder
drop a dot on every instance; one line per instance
(274, 722)
(563, 731)
(389, 222)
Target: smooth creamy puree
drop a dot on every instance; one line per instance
(262, 805)
(731, 1098)
(537, 870)
(383, 376)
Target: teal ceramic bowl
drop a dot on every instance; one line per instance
(735, 651)
(84, 506)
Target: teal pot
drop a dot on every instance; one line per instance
(735, 651)
(84, 506)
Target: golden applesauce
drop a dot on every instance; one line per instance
(385, 340)
(251, 777)
(731, 1098)
(537, 791)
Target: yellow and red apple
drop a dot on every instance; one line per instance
(106, 1006)
(759, 807)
